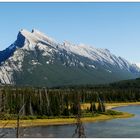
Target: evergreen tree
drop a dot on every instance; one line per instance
(93, 107)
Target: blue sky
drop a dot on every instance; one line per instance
(115, 26)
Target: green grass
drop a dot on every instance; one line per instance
(113, 112)
(84, 115)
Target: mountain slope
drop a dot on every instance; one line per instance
(36, 59)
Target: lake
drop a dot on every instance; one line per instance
(116, 128)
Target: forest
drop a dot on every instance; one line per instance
(63, 101)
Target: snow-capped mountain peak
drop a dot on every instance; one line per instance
(29, 36)
(99, 55)
(34, 50)
(42, 36)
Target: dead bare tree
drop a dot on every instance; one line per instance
(79, 131)
(18, 121)
(101, 103)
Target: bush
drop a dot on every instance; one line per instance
(8, 116)
(112, 112)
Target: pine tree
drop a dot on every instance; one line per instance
(92, 107)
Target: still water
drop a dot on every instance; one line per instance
(116, 128)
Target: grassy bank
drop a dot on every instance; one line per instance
(62, 121)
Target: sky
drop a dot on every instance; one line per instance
(114, 26)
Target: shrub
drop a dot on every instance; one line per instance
(113, 112)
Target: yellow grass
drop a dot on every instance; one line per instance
(62, 121)
(111, 105)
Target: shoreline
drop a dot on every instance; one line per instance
(64, 121)
(115, 105)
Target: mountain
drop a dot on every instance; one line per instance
(38, 60)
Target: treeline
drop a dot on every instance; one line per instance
(62, 101)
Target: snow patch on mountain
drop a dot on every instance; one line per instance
(46, 50)
(92, 66)
(109, 71)
(44, 37)
(34, 62)
(138, 65)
